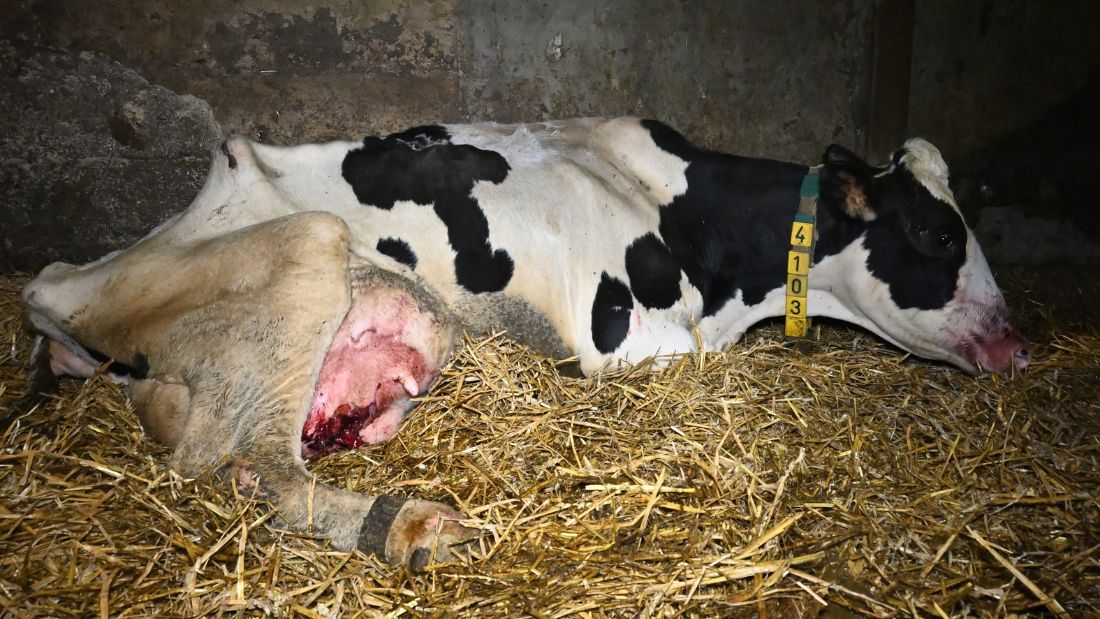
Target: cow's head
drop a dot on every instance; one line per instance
(916, 274)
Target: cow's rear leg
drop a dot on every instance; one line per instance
(245, 320)
(398, 530)
(254, 359)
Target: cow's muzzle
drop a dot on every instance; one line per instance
(1003, 352)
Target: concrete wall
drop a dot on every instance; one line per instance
(757, 77)
(777, 78)
(984, 69)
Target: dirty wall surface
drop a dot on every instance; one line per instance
(109, 108)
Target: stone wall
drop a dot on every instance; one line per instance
(93, 155)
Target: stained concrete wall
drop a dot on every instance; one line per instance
(779, 79)
(756, 77)
(775, 78)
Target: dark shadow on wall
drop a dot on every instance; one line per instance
(1049, 168)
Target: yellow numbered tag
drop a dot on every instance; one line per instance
(796, 285)
(797, 327)
(802, 234)
(796, 307)
(798, 262)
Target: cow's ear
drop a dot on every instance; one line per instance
(847, 183)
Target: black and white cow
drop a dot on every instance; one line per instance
(308, 292)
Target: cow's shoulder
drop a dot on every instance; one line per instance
(639, 149)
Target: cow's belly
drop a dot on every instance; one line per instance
(559, 256)
(532, 309)
(487, 314)
(548, 303)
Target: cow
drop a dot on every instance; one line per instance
(309, 293)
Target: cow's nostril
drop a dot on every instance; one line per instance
(1023, 357)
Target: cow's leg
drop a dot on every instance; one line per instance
(396, 529)
(266, 447)
(394, 332)
(267, 450)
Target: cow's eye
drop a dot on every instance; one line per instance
(945, 240)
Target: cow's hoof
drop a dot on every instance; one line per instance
(414, 532)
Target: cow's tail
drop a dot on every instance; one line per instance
(42, 383)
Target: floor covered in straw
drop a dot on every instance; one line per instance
(832, 478)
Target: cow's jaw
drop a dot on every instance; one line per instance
(977, 345)
(979, 322)
(972, 331)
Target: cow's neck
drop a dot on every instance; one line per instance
(731, 231)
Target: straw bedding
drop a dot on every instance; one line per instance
(830, 478)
